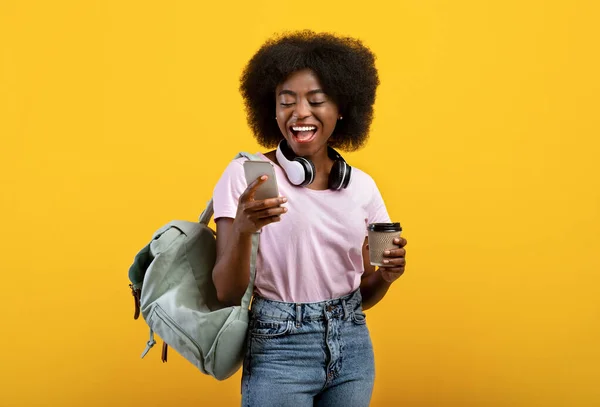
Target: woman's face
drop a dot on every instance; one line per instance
(305, 114)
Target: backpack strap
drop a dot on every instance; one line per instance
(207, 215)
(250, 290)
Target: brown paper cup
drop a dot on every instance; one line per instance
(381, 238)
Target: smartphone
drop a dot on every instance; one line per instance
(255, 169)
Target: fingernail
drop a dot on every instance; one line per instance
(264, 177)
(387, 252)
(283, 199)
(386, 261)
(396, 240)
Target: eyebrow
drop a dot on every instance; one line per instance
(311, 92)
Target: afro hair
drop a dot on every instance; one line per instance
(345, 68)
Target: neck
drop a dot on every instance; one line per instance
(322, 162)
(323, 166)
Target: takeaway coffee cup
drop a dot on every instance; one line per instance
(381, 238)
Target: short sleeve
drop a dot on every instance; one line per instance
(376, 210)
(228, 190)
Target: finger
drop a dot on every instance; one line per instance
(394, 253)
(400, 241)
(266, 203)
(266, 221)
(267, 213)
(395, 262)
(248, 194)
(396, 271)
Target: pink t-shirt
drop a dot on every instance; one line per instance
(315, 252)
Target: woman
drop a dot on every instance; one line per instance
(308, 343)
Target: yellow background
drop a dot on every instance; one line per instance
(118, 116)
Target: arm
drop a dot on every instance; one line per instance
(375, 283)
(231, 272)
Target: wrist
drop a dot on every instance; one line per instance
(239, 231)
(382, 276)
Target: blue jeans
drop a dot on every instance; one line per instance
(308, 354)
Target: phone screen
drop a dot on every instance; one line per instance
(255, 169)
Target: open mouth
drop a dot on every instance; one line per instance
(303, 134)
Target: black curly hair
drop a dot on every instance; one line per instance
(346, 71)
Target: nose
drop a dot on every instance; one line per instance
(302, 110)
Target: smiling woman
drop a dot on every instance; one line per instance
(306, 94)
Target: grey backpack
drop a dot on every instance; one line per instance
(171, 281)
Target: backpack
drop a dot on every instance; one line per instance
(171, 281)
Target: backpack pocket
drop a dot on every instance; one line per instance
(174, 336)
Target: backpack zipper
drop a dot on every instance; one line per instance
(167, 320)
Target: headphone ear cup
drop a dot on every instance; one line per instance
(347, 175)
(309, 170)
(336, 176)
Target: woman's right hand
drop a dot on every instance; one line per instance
(253, 215)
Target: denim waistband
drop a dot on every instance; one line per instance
(335, 308)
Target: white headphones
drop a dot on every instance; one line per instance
(301, 171)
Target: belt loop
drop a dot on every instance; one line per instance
(345, 308)
(298, 315)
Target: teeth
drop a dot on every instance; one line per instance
(305, 128)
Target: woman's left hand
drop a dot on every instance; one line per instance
(394, 261)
